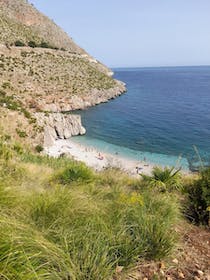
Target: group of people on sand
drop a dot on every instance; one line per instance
(138, 168)
(100, 156)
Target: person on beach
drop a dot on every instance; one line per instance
(138, 169)
(100, 156)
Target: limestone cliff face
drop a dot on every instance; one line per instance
(59, 126)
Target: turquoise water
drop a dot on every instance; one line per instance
(163, 115)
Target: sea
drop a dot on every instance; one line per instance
(163, 118)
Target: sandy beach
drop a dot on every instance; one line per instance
(97, 159)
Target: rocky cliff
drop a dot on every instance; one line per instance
(41, 67)
(59, 126)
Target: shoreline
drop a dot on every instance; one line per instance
(99, 160)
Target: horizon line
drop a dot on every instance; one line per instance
(162, 66)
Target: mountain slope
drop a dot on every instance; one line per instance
(43, 67)
(21, 21)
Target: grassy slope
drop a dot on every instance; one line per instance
(59, 220)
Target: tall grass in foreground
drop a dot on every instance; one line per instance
(77, 225)
(197, 208)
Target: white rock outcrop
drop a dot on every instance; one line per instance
(59, 126)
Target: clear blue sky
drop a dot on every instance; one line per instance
(136, 32)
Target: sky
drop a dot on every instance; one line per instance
(136, 33)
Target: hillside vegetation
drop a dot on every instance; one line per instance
(42, 66)
(46, 77)
(60, 220)
(20, 20)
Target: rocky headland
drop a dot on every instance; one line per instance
(43, 71)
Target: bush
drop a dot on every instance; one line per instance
(39, 149)
(26, 113)
(6, 85)
(164, 179)
(17, 147)
(77, 172)
(19, 43)
(21, 133)
(198, 195)
(32, 44)
(45, 45)
(9, 101)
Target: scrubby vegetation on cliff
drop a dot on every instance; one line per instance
(43, 77)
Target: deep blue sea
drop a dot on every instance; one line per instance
(163, 115)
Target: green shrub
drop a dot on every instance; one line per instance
(9, 101)
(32, 44)
(164, 179)
(76, 172)
(21, 133)
(6, 137)
(32, 121)
(39, 148)
(26, 113)
(45, 45)
(19, 43)
(18, 148)
(198, 195)
(6, 85)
